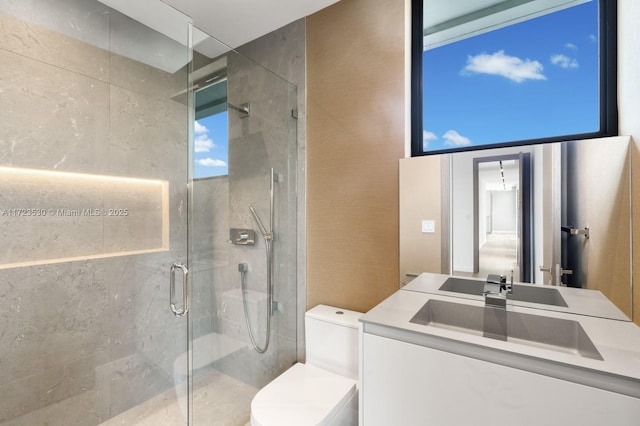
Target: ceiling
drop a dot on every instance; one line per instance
(219, 25)
(499, 175)
(239, 21)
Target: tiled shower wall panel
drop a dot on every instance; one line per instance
(94, 335)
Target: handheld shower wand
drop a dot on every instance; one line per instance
(267, 234)
(263, 231)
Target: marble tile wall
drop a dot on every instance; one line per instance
(81, 341)
(110, 216)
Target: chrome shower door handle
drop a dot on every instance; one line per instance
(179, 312)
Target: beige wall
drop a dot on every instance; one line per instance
(355, 137)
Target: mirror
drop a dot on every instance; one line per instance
(554, 214)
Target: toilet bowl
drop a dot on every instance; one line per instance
(324, 391)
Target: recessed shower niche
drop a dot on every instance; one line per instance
(49, 216)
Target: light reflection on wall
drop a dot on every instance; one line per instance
(49, 216)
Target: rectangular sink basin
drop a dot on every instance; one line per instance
(521, 292)
(560, 335)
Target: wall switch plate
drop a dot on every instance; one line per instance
(428, 226)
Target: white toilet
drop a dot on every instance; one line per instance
(324, 391)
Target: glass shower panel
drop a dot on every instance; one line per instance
(93, 213)
(244, 150)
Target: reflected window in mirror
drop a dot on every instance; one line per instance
(494, 73)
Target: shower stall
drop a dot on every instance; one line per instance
(133, 149)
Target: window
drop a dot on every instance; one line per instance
(211, 147)
(491, 73)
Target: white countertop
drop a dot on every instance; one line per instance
(581, 301)
(617, 341)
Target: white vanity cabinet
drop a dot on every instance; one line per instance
(408, 384)
(415, 374)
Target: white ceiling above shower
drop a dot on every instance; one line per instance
(220, 25)
(240, 21)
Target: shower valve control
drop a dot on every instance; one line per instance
(243, 237)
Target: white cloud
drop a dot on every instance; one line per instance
(200, 129)
(592, 38)
(510, 67)
(571, 46)
(426, 138)
(210, 162)
(203, 144)
(456, 139)
(564, 61)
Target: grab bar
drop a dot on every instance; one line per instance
(179, 312)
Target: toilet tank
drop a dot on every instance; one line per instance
(331, 339)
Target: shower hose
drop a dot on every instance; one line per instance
(243, 268)
(243, 276)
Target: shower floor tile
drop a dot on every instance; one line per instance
(218, 400)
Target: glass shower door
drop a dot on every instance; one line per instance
(104, 132)
(243, 157)
(93, 214)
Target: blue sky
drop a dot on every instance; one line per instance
(211, 149)
(531, 80)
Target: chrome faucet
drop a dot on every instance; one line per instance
(496, 289)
